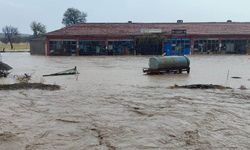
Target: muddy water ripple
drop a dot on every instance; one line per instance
(112, 105)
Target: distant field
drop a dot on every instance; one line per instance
(17, 47)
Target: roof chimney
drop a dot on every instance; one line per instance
(179, 21)
(130, 22)
(228, 21)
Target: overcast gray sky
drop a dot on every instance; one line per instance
(20, 13)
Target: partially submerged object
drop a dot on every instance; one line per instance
(4, 74)
(27, 86)
(23, 78)
(242, 87)
(236, 77)
(200, 86)
(4, 69)
(167, 64)
(66, 72)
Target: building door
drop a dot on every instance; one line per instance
(177, 46)
(230, 48)
(149, 45)
(168, 48)
(234, 46)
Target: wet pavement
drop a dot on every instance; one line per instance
(113, 105)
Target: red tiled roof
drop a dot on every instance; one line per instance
(210, 28)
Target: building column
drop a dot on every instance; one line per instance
(220, 45)
(106, 46)
(46, 46)
(192, 46)
(163, 47)
(248, 47)
(77, 47)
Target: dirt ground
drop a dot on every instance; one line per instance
(17, 47)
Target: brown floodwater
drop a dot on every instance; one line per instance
(113, 105)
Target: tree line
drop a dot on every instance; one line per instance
(11, 34)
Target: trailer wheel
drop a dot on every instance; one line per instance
(180, 71)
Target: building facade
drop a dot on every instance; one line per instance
(149, 39)
(37, 46)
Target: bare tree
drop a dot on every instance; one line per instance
(73, 16)
(10, 33)
(37, 28)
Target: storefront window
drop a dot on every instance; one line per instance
(92, 47)
(206, 45)
(62, 47)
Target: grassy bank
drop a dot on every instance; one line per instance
(17, 47)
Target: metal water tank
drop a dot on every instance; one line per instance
(169, 62)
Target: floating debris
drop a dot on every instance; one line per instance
(4, 69)
(6, 136)
(66, 72)
(242, 87)
(4, 74)
(200, 86)
(68, 121)
(23, 78)
(192, 137)
(27, 86)
(237, 77)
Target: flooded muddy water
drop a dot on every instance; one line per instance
(112, 105)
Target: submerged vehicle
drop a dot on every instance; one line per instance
(167, 64)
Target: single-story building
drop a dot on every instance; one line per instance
(147, 39)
